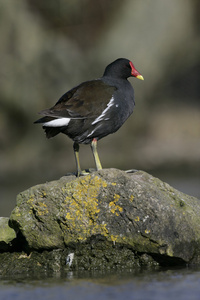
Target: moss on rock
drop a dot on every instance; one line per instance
(7, 234)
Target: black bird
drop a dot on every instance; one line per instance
(93, 109)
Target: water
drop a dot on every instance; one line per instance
(145, 285)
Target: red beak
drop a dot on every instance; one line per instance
(134, 72)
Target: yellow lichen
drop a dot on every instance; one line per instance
(30, 200)
(17, 212)
(114, 238)
(68, 217)
(63, 190)
(137, 219)
(116, 197)
(39, 205)
(83, 208)
(104, 229)
(43, 195)
(114, 208)
(41, 208)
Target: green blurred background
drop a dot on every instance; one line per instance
(47, 47)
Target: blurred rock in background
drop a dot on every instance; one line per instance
(47, 47)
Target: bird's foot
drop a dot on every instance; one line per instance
(81, 172)
(86, 172)
(131, 171)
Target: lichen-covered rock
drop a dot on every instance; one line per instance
(135, 210)
(7, 234)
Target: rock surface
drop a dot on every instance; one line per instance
(7, 234)
(109, 212)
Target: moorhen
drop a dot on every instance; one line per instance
(93, 109)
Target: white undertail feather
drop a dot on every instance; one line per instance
(57, 122)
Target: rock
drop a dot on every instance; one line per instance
(136, 211)
(7, 234)
(99, 254)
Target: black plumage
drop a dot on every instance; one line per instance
(93, 109)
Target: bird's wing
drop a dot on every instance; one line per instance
(84, 101)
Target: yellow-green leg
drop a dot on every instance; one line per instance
(95, 154)
(76, 153)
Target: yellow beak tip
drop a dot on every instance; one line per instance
(140, 77)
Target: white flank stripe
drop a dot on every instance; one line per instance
(91, 132)
(100, 118)
(57, 122)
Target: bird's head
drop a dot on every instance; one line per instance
(122, 68)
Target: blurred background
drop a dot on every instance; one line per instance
(47, 47)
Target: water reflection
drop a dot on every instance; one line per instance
(182, 283)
